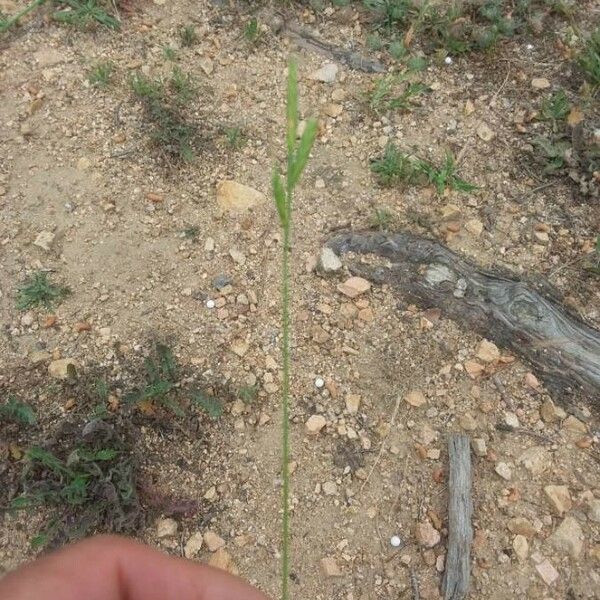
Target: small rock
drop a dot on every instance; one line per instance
(559, 498)
(332, 110)
(487, 352)
(166, 528)
(315, 423)
(62, 368)
(354, 286)
(503, 470)
(329, 567)
(573, 424)
(512, 420)
(193, 545)
(237, 256)
(329, 262)
(593, 510)
(450, 212)
(352, 403)
(485, 133)
(338, 95)
(568, 538)
(474, 227)
(221, 559)
(209, 245)
(473, 368)
(44, 240)
(27, 320)
(531, 381)
(239, 347)
(467, 422)
(39, 357)
(427, 535)
(213, 541)
(326, 74)
(547, 572)
(521, 526)
(521, 547)
(206, 64)
(540, 83)
(535, 459)
(415, 398)
(479, 447)
(542, 237)
(329, 488)
(551, 413)
(236, 197)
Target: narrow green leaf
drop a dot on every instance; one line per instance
(280, 198)
(292, 105)
(301, 157)
(211, 405)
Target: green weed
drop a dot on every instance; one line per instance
(85, 12)
(252, 31)
(298, 153)
(247, 393)
(445, 176)
(37, 290)
(212, 406)
(169, 53)
(382, 219)
(394, 92)
(101, 74)
(191, 233)
(164, 102)
(555, 108)
(589, 59)
(18, 412)
(395, 167)
(188, 36)
(551, 152)
(235, 137)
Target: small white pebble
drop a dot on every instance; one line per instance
(529, 46)
(319, 382)
(395, 541)
(448, 60)
(210, 304)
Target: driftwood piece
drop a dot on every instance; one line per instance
(460, 508)
(562, 349)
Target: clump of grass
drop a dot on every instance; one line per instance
(209, 404)
(169, 53)
(297, 156)
(589, 59)
(234, 136)
(396, 167)
(247, 393)
(101, 74)
(382, 218)
(394, 93)
(37, 290)
(188, 36)
(86, 486)
(252, 31)
(85, 12)
(17, 412)
(164, 103)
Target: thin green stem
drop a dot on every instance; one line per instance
(286, 351)
(6, 25)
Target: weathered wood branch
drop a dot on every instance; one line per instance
(460, 508)
(562, 349)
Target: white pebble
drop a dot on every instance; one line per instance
(529, 46)
(395, 541)
(319, 382)
(210, 304)
(448, 60)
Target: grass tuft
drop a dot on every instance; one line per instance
(17, 412)
(589, 59)
(37, 290)
(188, 36)
(100, 75)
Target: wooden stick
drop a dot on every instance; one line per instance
(460, 508)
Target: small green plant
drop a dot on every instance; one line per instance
(551, 152)
(169, 53)
(101, 74)
(235, 137)
(394, 92)
(445, 176)
(164, 103)
(555, 108)
(191, 233)
(85, 12)
(212, 406)
(382, 218)
(161, 379)
(247, 393)
(252, 31)
(589, 59)
(37, 290)
(188, 36)
(85, 487)
(18, 412)
(298, 153)
(395, 167)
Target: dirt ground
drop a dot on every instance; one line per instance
(76, 161)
